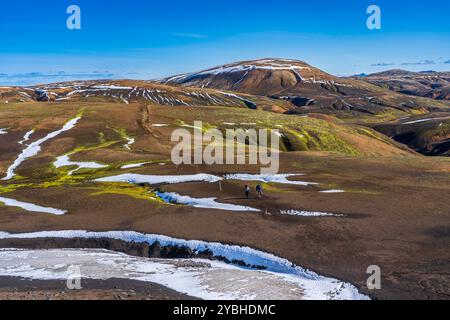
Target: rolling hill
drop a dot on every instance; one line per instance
(129, 91)
(279, 86)
(17, 94)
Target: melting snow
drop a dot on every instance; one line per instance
(160, 125)
(418, 121)
(308, 213)
(26, 137)
(206, 203)
(425, 120)
(152, 179)
(192, 127)
(134, 165)
(246, 101)
(34, 148)
(310, 284)
(332, 191)
(130, 142)
(112, 87)
(3, 131)
(64, 161)
(276, 178)
(198, 278)
(31, 207)
(123, 99)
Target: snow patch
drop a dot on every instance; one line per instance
(314, 286)
(130, 142)
(64, 161)
(153, 179)
(276, 178)
(425, 120)
(31, 207)
(333, 191)
(246, 101)
(160, 125)
(418, 121)
(134, 165)
(308, 213)
(26, 137)
(34, 148)
(205, 203)
(112, 87)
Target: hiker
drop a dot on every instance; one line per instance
(259, 189)
(247, 191)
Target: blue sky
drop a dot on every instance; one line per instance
(150, 39)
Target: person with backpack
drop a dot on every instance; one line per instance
(247, 191)
(259, 190)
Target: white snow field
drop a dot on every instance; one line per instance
(31, 207)
(64, 161)
(275, 178)
(155, 179)
(199, 278)
(206, 203)
(34, 148)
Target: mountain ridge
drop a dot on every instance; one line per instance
(428, 84)
(307, 87)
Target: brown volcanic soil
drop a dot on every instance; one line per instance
(397, 217)
(396, 206)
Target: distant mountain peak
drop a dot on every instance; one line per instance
(265, 76)
(271, 64)
(361, 75)
(392, 73)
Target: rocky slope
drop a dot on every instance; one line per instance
(429, 135)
